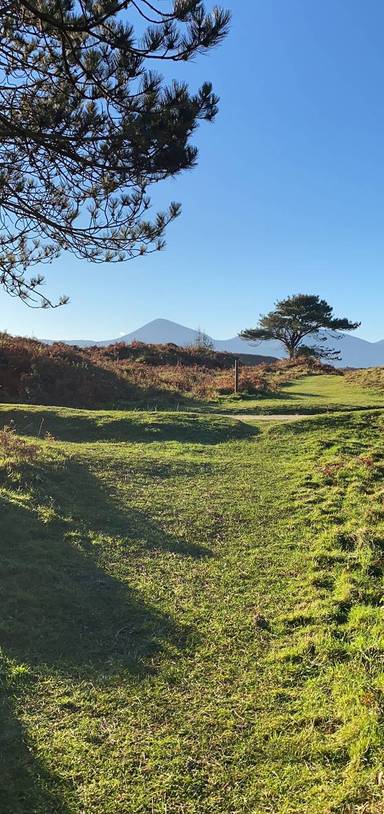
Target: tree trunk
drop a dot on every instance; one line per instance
(291, 352)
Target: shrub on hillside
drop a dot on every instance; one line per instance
(252, 381)
(169, 354)
(372, 378)
(15, 449)
(304, 365)
(57, 374)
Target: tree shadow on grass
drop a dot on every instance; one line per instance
(26, 787)
(83, 426)
(94, 507)
(66, 614)
(356, 419)
(60, 608)
(299, 394)
(60, 604)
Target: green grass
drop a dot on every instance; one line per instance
(309, 394)
(191, 616)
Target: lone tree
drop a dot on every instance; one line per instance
(298, 317)
(202, 341)
(87, 125)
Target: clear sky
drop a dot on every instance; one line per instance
(288, 195)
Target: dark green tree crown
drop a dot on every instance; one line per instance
(295, 318)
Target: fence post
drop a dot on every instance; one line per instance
(237, 365)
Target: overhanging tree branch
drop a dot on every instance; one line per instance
(86, 127)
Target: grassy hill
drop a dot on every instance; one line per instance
(191, 610)
(119, 375)
(308, 394)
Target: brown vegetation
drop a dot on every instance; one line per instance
(59, 374)
(372, 377)
(14, 448)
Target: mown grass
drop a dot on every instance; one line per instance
(191, 615)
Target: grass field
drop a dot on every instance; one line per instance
(310, 394)
(191, 613)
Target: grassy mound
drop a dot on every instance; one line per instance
(371, 378)
(120, 374)
(135, 375)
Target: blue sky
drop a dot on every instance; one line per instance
(288, 194)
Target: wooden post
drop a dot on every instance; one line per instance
(237, 366)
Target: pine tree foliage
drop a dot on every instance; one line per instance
(87, 124)
(295, 318)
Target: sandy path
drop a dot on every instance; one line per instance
(265, 417)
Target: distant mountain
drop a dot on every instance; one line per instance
(159, 332)
(355, 352)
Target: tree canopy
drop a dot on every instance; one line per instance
(295, 318)
(87, 124)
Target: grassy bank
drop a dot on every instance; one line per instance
(121, 375)
(371, 378)
(308, 395)
(191, 618)
(305, 395)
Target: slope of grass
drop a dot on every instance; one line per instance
(191, 615)
(370, 378)
(310, 394)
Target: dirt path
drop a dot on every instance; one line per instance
(265, 417)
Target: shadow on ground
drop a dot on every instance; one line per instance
(78, 426)
(60, 604)
(26, 787)
(347, 420)
(66, 611)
